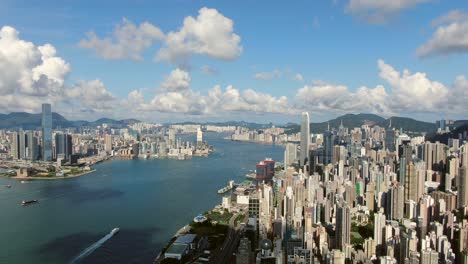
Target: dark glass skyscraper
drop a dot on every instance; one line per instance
(46, 132)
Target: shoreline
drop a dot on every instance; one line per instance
(55, 177)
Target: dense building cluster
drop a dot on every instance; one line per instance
(362, 195)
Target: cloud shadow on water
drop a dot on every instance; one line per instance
(76, 193)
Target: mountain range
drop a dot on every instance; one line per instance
(33, 121)
(357, 120)
(29, 121)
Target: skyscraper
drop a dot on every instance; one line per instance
(46, 132)
(343, 226)
(305, 138)
(463, 185)
(199, 136)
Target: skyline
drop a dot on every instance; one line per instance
(210, 62)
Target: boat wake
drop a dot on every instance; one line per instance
(93, 247)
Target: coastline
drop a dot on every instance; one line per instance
(54, 178)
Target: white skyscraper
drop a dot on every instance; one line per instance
(305, 138)
(199, 136)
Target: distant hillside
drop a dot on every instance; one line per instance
(357, 120)
(33, 121)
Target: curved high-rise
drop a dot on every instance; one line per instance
(305, 138)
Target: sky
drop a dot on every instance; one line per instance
(261, 61)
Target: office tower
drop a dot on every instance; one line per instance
(63, 146)
(463, 185)
(290, 154)
(390, 139)
(305, 138)
(22, 145)
(343, 226)
(15, 145)
(199, 136)
(328, 143)
(32, 146)
(46, 132)
(108, 143)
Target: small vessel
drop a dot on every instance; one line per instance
(8, 186)
(24, 182)
(227, 188)
(115, 231)
(251, 175)
(24, 203)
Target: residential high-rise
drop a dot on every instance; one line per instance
(15, 146)
(305, 138)
(414, 180)
(290, 154)
(463, 185)
(46, 132)
(343, 226)
(108, 143)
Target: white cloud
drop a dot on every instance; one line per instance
(176, 96)
(126, 41)
(379, 11)
(210, 34)
(209, 70)
(299, 77)
(28, 69)
(413, 92)
(448, 38)
(450, 17)
(338, 99)
(268, 76)
(92, 96)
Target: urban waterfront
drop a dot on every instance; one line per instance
(148, 199)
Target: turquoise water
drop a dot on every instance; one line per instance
(148, 199)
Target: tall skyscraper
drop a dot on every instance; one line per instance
(343, 226)
(305, 138)
(46, 132)
(328, 143)
(15, 146)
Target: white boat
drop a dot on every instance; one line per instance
(115, 231)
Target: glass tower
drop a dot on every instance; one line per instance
(46, 132)
(305, 138)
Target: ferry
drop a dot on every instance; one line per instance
(115, 231)
(227, 188)
(25, 203)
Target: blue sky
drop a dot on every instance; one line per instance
(328, 43)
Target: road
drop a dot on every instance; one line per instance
(230, 243)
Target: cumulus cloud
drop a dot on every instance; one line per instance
(126, 41)
(413, 91)
(29, 69)
(176, 96)
(31, 75)
(450, 37)
(379, 11)
(210, 34)
(268, 76)
(92, 96)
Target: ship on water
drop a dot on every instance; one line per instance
(25, 203)
(230, 186)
